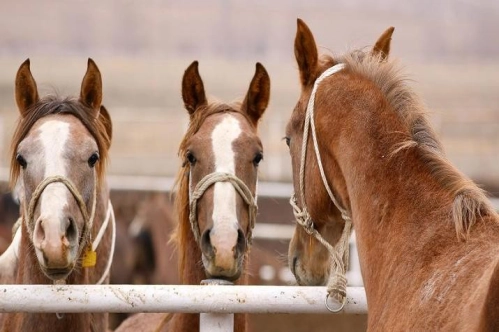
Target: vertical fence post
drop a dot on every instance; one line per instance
(216, 322)
(211, 322)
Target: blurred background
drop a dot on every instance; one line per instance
(449, 50)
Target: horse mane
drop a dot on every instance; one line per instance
(181, 185)
(470, 203)
(56, 105)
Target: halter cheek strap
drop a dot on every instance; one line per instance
(207, 182)
(339, 254)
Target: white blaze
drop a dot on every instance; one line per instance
(224, 210)
(53, 136)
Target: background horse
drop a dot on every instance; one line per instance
(427, 236)
(221, 139)
(59, 153)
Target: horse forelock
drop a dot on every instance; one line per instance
(470, 203)
(56, 105)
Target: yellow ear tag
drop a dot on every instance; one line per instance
(89, 257)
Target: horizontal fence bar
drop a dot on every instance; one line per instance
(271, 231)
(174, 298)
(165, 184)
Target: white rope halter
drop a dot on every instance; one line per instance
(208, 181)
(88, 219)
(337, 282)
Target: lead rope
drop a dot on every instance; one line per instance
(339, 254)
(98, 238)
(211, 179)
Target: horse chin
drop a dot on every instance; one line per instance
(58, 273)
(54, 273)
(307, 279)
(214, 272)
(224, 276)
(311, 281)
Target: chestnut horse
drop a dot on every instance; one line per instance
(216, 193)
(59, 153)
(427, 236)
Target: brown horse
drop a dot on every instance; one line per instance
(215, 195)
(59, 153)
(427, 235)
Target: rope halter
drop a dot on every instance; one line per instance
(88, 219)
(207, 182)
(339, 254)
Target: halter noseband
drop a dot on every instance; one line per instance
(339, 254)
(207, 182)
(88, 219)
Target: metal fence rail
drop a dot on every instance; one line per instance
(173, 298)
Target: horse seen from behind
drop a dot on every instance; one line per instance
(427, 236)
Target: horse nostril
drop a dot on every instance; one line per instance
(71, 231)
(39, 235)
(206, 246)
(241, 242)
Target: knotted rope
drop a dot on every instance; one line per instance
(208, 181)
(337, 283)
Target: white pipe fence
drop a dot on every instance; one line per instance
(173, 298)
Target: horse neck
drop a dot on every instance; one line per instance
(394, 199)
(399, 208)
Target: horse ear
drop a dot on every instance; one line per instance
(91, 87)
(193, 89)
(26, 90)
(306, 53)
(382, 46)
(105, 118)
(257, 98)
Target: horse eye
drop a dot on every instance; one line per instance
(288, 140)
(20, 159)
(93, 159)
(258, 158)
(190, 157)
